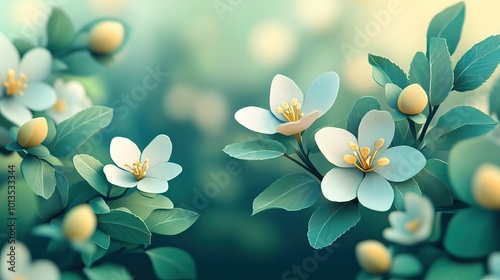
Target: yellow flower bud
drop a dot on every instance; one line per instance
(32, 133)
(373, 256)
(486, 186)
(106, 37)
(79, 223)
(412, 100)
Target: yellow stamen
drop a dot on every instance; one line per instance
(13, 85)
(363, 159)
(138, 169)
(290, 112)
(365, 152)
(379, 144)
(61, 105)
(353, 146)
(349, 159)
(383, 162)
(412, 225)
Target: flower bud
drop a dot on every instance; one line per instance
(32, 133)
(373, 256)
(486, 186)
(412, 100)
(106, 37)
(79, 223)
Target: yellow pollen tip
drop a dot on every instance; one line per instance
(412, 225)
(294, 102)
(138, 169)
(379, 143)
(365, 152)
(279, 110)
(383, 162)
(353, 146)
(284, 105)
(349, 159)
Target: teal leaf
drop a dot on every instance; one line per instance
(386, 71)
(405, 265)
(477, 64)
(141, 205)
(107, 271)
(23, 45)
(447, 25)
(73, 132)
(292, 192)
(80, 192)
(81, 63)
(459, 123)
(101, 239)
(445, 268)
(331, 221)
(441, 73)
(495, 99)
(255, 150)
(401, 189)
(39, 151)
(39, 175)
(99, 205)
(171, 221)
(286, 141)
(92, 171)
(361, 106)
(473, 233)
(51, 132)
(59, 31)
(90, 257)
(418, 119)
(46, 208)
(434, 182)
(124, 226)
(392, 95)
(420, 71)
(172, 263)
(402, 135)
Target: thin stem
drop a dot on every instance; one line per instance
(304, 156)
(118, 196)
(412, 128)
(297, 162)
(432, 113)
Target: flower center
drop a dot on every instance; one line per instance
(60, 106)
(138, 169)
(13, 85)
(290, 112)
(363, 158)
(412, 225)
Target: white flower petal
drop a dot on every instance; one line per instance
(257, 119)
(48, 269)
(341, 184)
(124, 151)
(164, 171)
(36, 64)
(158, 151)
(15, 111)
(292, 128)
(399, 237)
(119, 177)
(334, 144)
(321, 94)
(9, 58)
(37, 97)
(283, 89)
(152, 185)
(375, 192)
(374, 125)
(405, 162)
(22, 260)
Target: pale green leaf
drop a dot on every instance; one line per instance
(124, 226)
(441, 73)
(256, 150)
(92, 171)
(39, 175)
(170, 221)
(386, 71)
(172, 263)
(447, 25)
(141, 205)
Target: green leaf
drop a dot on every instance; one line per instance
(39, 175)
(401, 189)
(495, 99)
(81, 63)
(459, 123)
(124, 226)
(361, 106)
(255, 150)
(386, 71)
(23, 45)
(292, 192)
(101, 239)
(39, 151)
(392, 93)
(420, 71)
(107, 271)
(473, 233)
(406, 265)
(172, 263)
(402, 135)
(441, 73)
(434, 182)
(287, 141)
(445, 268)
(51, 132)
(73, 132)
(141, 205)
(92, 171)
(447, 25)
(99, 205)
(59, 31)
(171, 221)
(46, 208)
(331, 221)
(90, 257)
(477, 64)
(80, 192)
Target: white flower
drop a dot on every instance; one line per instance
(20, 80)
(291, 111)
(149, 171)
(414, 225)
(24, 268)
(493, 267)
(366, 164)
(71, 99)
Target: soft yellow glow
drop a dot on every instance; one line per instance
(61, 106)
(318, 15)
(272, 43)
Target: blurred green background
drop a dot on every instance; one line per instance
(221, 55)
